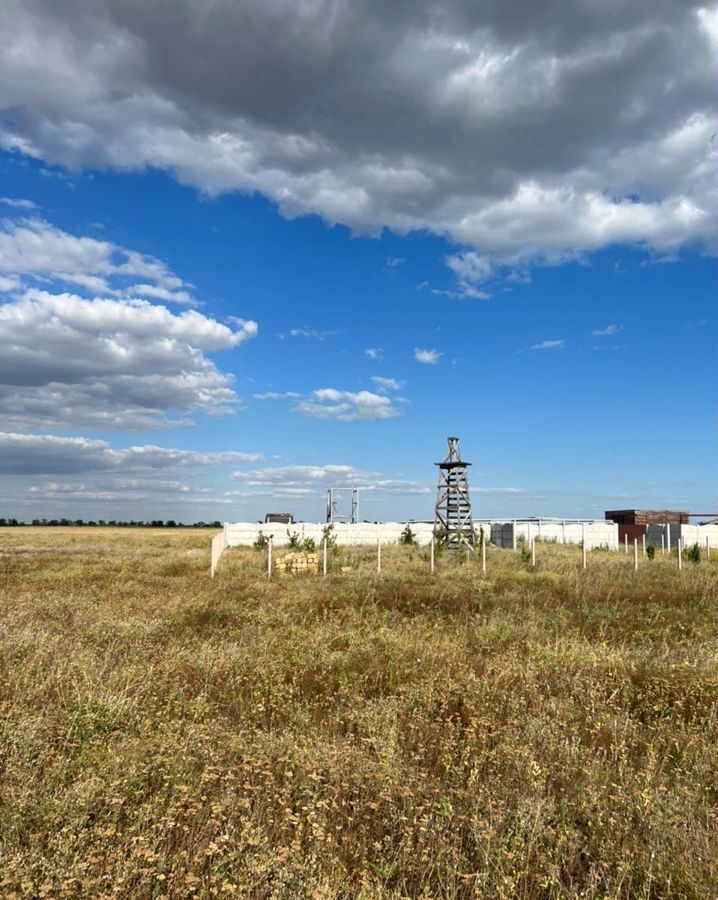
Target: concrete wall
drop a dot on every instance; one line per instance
(597, 534)
(691, 534)
(240, 534)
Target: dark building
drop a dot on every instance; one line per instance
(632, 522)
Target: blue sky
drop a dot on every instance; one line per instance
(184, 340)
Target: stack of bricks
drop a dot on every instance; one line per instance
(298, 563)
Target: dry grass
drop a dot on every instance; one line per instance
(522, 735)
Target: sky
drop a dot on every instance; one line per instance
(249, 251)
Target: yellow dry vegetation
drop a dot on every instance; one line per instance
(521, 734)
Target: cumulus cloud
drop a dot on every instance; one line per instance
(529, 133)
(549, 345)
(427, 357)
(45, 454)
(347, 406)
(36, 249)
(105, 363)
(306, 481)
(374, 353)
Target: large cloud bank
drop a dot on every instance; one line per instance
(529, 131)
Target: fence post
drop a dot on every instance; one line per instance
(514, 536)
(483, 554)
(533, 552)
(708, 549)
(625, 541)
(668, 536)
(324, 559)
(269, 558)
(680, 553)
(378, 556)
(635, 554)
(663, 544)
(584, 554)
(431, 555)
(563, 532)
(644, 544)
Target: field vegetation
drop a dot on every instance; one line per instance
(519, 734)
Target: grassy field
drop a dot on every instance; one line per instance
(520, 734)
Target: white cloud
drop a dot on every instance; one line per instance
(347, 406)
(308, 481)
(608, 330)
(310, 333)
(278, 395)
(427, 357)
(105, 363)
(18, 203)
(374, 353)
(549, 345)
(530, 134)
(44, 454)
(36, 249)
(387, 384)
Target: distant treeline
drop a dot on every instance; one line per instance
(112, 523)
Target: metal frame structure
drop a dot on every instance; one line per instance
(334, 495)
(453, 522)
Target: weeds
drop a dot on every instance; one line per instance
(508, 735)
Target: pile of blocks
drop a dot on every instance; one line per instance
(298, 564)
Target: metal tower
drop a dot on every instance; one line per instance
(333, 497)
(452, 513)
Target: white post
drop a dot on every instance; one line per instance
(680, 553)
(483, 554)
(431, 555)
(528, 533)
(563, 532)
(644, 543)
(269, 558)
(533, 552)
(708, 549)
(378, 556)
(324, 560)
(663, 544)
(668, 536)
(625, 541)
(514, 536)
(635, 554)
(584, 555)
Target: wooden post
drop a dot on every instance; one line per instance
(563, 532)
(668, 536)
(625, 541)
(644, 544)
(483, 554)
(680, 553)
(324, 560)
(708, 549)
(584, 555)
(269, 558)
(663, 544)
(514, 536)
(431, 555)
(533, 552)
(635, 554)
(378, 556)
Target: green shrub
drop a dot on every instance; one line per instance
(261, 543)
(692, 553)
(650, 551)
(407, 537)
